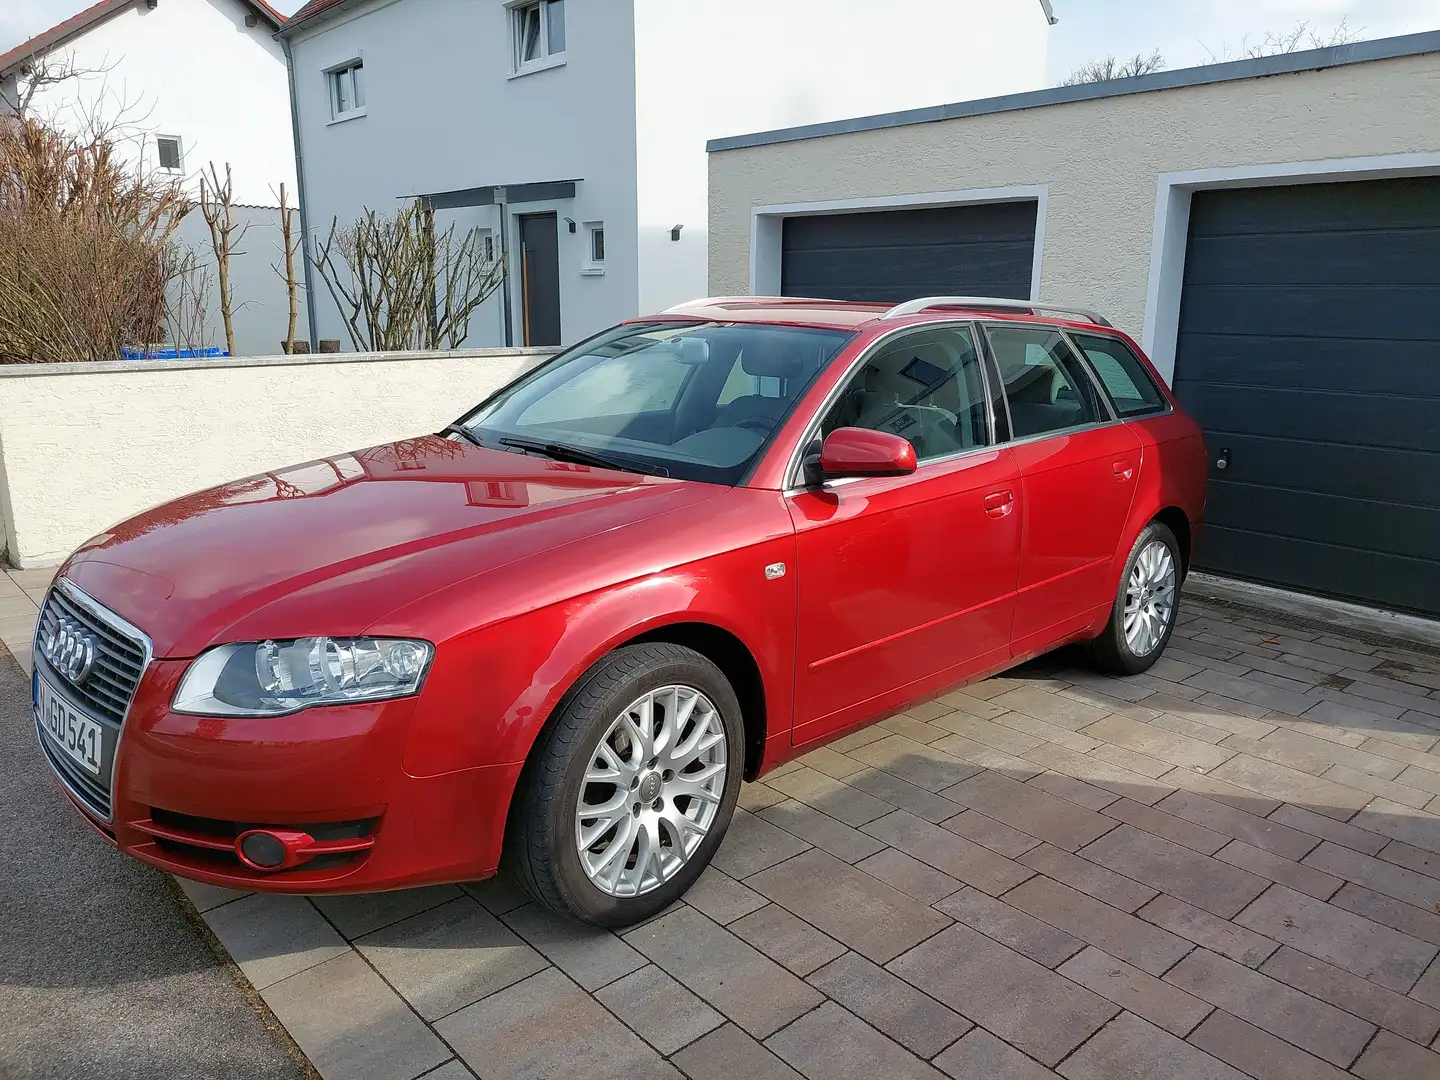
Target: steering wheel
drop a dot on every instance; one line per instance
(762, 424)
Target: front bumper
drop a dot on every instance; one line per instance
(185, 787)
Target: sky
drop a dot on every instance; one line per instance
(1185, 31)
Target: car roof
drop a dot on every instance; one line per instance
(854, 314)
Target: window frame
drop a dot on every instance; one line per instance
(514, 17)
(1108, 414)
(590, 265)
(179, 169)
(334, 74)
(1164, 408)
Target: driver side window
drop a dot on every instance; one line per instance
(925, 387)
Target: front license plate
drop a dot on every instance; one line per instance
(79, 737)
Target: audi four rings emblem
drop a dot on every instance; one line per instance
(70, 648)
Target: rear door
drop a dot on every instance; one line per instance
(1078, 467)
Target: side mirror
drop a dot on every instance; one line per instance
(853, 451)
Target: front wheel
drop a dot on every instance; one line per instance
(633, 788)
(1146, 605)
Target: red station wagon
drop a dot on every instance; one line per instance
(560, 634)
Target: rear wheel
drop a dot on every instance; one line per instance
(1146, 605)
(631, 793)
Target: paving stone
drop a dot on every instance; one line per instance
(1372, 724)
(1160, 823)
(1278, 754)
(1412, 858)
(1364, 998)
(1376, 874)
(497, 1037)
(1129, 1048)
(963, 701)
(1340, 937)
(1010, 926)
(927, 710)
(1099, 773)
(1322, 796)
(1221, 791)
(1305, 879)
(1337, 832)
(824, 832)
(917, 1022)
(984, 757)
(1212, 715)
(995, 835)
(357, 915)
(590, 956)
(860, 737)
(831, 796)
(1161, 864)
(1335, 753)
(1073, 790)
(1252, 690)
(445, 958)
(1228, 821)
(848, 904)
(271, 937)
(1090, 878)
(1105, 692)
(1030, 810)
(1144, 995)
(721, 897)
(204, 896)
(997, 736)
(1385, 789)
(948, 852)
(746, 986)
(1041, 1013)
(910, 876)
(1158, 743)
(1417, 828)
(454, 1069)
(1131, 760)
(498, 894)
(1204, 929)
(784, 938)
(1396, 914)
(727, 1053)
(832, 1044)
(659, 1009)
(1390, 1057)
(929, 767)
(752, 844)
(1312, 1025)
(754, 797)
(1143, 944)
(981, 1056)
(350, 1025)
(831, 762)
(1257, 1052)
(1047, 732)
(1403, 754)
(903, 794)
(1424, 778)
(1193, 729)
(1052, 708)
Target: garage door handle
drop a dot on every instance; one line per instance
(1124, 470)
(998, 504)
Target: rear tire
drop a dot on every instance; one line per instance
(1146, 605)
(632, 787)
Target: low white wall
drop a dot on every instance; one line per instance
(83, 446)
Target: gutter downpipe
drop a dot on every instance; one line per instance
(300, 205)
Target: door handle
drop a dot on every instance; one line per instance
(998, 504)
(1124, 469)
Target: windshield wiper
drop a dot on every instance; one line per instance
(577, 456)
(464, 433)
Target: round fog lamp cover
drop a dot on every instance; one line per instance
(266, 850)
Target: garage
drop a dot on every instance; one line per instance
(1309, 350)
(894, 255)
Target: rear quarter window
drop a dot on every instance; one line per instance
(1124, 377)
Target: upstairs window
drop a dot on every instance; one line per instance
(537, 32)
(167, 151)
(347, 90)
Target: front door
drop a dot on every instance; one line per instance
(1078, 472)
(907, 583)
(539, 279)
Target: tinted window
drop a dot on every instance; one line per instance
(925, 387)
(1123, 375)
(1046, 385)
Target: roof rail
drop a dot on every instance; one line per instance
(924, 303)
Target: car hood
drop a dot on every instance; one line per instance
(331, 546)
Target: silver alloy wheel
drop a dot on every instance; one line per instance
(1149, 598)
(651, 791)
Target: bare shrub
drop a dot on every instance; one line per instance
(1111, 68)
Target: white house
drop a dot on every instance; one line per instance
(575, 130)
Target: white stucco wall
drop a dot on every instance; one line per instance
(190, 69)
(711, 68)
(443, 113)
(1101, 160)
(83, 446)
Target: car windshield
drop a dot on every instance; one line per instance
(692, 400)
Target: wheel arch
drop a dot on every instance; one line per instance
(1178, 522)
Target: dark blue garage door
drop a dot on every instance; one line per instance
(1309, 348)
(894, 255)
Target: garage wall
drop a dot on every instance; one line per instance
(1101, 160)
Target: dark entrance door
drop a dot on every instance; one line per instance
(539, 279)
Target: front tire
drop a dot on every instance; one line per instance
(632, 788)
(1146, 605)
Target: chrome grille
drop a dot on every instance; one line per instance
(119, 657)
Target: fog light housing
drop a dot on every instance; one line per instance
(273, 849)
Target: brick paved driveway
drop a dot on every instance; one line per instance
(1229, 867)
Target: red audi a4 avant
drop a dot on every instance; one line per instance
(560, 634)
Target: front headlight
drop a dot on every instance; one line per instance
(270, 678)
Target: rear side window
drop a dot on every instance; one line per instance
(1046, 385)
(1125, 379)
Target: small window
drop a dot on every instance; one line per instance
(347, 91)
(1046, 385)
(594, 248)
(925, 387)
(1129, 385)
(537, 31)
(167, 150)
(597, 244)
